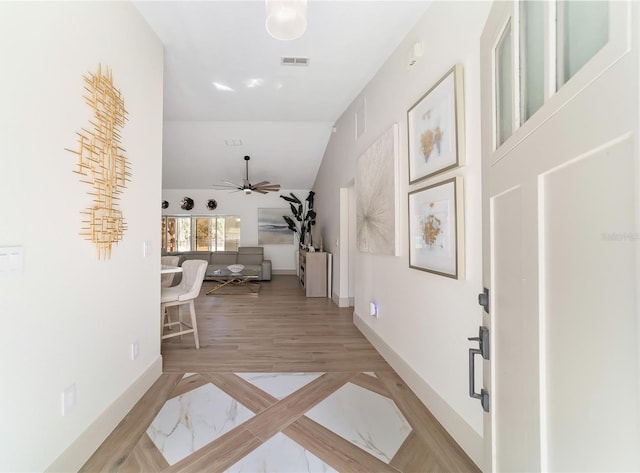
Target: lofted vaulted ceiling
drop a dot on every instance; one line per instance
(227, 95)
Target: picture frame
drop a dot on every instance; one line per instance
(272, 229)
(377, 197)
(436, 228)
(435, 127)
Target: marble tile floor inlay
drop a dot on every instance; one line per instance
(283, 455)
(194, 419)
(348, 413)
(191, 420)
(279, 385)
(346, 421)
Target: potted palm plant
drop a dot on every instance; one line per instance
(304, 217)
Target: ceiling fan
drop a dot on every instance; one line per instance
(261, 187)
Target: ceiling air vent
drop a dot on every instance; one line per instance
(233, 142)
(294, 61)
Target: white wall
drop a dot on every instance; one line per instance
(424, 319)
(246, 206)
(70, 318)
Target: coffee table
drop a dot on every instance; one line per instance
(224, 277)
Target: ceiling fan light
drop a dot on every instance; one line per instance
(262, 187)
(286, 19)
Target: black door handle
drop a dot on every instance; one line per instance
(483, 395)
(482, 350)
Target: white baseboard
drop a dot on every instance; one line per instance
(340, 301)
(83, 447)
(470, 441)
(283, 271)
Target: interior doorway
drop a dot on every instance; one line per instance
(346, 247)
(352, 243)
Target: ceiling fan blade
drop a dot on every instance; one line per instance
(225, 186)
(271, 187)
(237, 186)
(260, 191)
(260, 184)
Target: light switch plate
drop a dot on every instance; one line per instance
(135, 350)
(69, 398)
(11, 260)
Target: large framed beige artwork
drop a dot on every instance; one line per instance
(435, 125)
(377, 217)
(436, 233)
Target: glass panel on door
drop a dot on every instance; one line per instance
(583, 29)
(504, 89)
(532, 70)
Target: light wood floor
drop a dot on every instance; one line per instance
(278, 331)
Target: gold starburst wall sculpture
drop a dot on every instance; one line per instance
(102, 162)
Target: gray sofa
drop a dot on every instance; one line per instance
(252, 257)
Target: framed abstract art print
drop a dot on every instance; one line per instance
(435, 125)
(436, 233)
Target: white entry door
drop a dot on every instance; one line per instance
(561, 173)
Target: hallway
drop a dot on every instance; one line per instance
(282, 383)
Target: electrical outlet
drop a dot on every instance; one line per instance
(135, 350)
(69, 398)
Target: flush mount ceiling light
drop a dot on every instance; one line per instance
(222, 87)
(254, 83)
(286, 19)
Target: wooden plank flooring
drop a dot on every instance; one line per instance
(278, 331)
